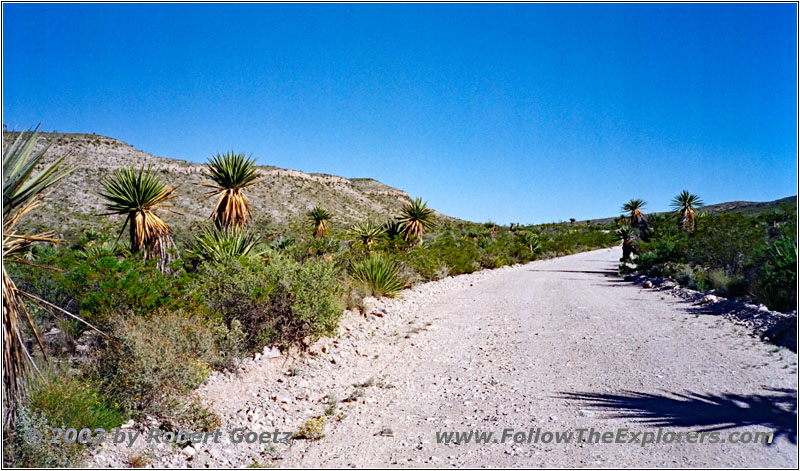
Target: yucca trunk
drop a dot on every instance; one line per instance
(320, 229)
(688, 217)
(232, 210)
(627, 249)
(16, 359)
(639, 222)
(150, 235)
(414, 229)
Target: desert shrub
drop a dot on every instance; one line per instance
(280, 303)
(733, 253)
(66, 401)
(57, 400)
(17, 452)
(97, 288)
(380, 274)
(725, 284)
(725, 241)
(776, 287)
(152, 361)
(460, 255)
(426, 264)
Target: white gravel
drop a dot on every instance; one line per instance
(558, 344)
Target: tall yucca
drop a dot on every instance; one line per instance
(137, 195)
(685, 203)
(367, 232)
(22, 192)
(231, 173)
(415, 218)
(319, 217)
(634, 210)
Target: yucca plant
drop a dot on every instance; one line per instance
(634, 210)
(685, 204)
(625, 234)
(415, 218)
(231, 174)
(367, 232)
(137, 195)
(109, 248)
(530, 240)
(319, 218)
(380, 274)
(221, 245)
(22, 193)
(392, 228)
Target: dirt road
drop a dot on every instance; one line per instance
(556, 345)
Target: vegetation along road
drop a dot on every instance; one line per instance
(556, 345)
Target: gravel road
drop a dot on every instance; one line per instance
(556, 345)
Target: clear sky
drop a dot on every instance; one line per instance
(510, 113)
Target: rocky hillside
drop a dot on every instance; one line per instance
(283, 195)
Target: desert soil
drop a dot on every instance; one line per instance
(558, 345)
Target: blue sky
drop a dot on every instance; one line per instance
(510, 113)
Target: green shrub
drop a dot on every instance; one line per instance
(776, 287)
(280, 303)
(66, 401)
(99, 288)
(380, 274)
(151, 362)
(57, 400)
(17, 452)
(725, 284)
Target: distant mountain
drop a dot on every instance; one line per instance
(282, 195)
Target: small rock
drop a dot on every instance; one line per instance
(283, 399)
(189, 451)
(647, 284)
(709, 299)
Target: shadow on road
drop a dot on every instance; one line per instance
(594, 272)
(776, 410)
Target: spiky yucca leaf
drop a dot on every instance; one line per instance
(231, 173)
(685, 203)
(319, 217)
(367, 232)
(393, 228)
(22, 192)
(137, 195)
(530, 240)
(221, 245)
(415, 218)
(380, 274)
